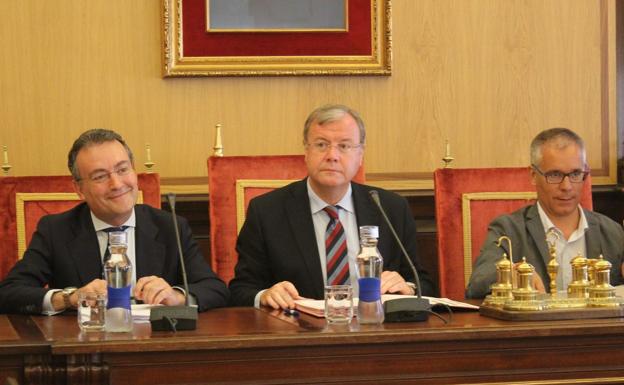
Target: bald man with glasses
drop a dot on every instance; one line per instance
(304, 236)
(558, 171)
(66, 252)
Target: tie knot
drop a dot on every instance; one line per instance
(113, 229)
(332, 211)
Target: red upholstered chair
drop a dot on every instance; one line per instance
(23, 200)
(233, 181)
(466, 201)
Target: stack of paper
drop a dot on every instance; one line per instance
(141, 313)
(317, 307)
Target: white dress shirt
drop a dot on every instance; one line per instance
(320, 219)
(102, 237)
(567, 249)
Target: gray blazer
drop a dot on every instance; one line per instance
(528, 238)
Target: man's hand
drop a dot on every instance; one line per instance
(95, 286)
(281, 295)
(392, 282)
(155, 290)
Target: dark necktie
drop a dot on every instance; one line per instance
(336, 249)
(109, 230)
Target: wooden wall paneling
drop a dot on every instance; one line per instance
(486, 74)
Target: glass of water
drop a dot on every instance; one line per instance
(91, 311)
(338, 304)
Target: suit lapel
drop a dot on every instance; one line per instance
(149, 250)
(299, 217)
(592, 236)
(84, 248)
(365, 211)
(536, 229)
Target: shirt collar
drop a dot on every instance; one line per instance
(317, 204)
(547, 223)
(101, 225)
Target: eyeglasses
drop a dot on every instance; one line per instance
(322, 147)
(104, 176)
(556, 177)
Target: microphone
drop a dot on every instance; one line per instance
(407, 309)
(174, 318)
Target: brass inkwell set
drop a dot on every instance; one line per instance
(589, 294)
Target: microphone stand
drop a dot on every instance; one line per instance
(174, 318)
(408, 309)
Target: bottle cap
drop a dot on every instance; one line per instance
(117, 238)
(369, 232)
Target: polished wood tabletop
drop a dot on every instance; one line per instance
(246, 345)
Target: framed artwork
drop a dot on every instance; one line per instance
(276, 37)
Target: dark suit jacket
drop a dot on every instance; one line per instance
(528, 239)
(64, 252)
(277, 241)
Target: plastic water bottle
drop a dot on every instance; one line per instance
(118, 276)
(370, 265)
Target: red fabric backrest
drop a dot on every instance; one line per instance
(225, 215)
(43, 202)
(459, 245)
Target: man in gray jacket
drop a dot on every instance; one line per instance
(558, 170)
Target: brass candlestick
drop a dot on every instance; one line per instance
(553, 265)
(148, 163)
(218, 143)
(6, 167)
(447, 155)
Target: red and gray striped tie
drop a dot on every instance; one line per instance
(336, 249)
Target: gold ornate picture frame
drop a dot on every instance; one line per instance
(364, 48)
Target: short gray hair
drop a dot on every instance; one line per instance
(331, 113)
(89, 138)
(559, 137)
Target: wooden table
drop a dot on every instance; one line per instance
(244, 345)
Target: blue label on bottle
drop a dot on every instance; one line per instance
(370, 289)
(118, 297)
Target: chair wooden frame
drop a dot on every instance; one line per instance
(20, 214)
(242, 184)
(467, 198)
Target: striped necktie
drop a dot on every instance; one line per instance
(336, 249)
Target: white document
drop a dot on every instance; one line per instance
(141, 312)
(316, 307)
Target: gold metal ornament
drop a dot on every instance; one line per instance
(601, 293)
(218, 143)
(447, 159)
(579, 286)
(502, 288)
(148, 162)
(6, 167)
(553, 265)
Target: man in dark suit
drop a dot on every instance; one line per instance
(65, 253)
(282, 249)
